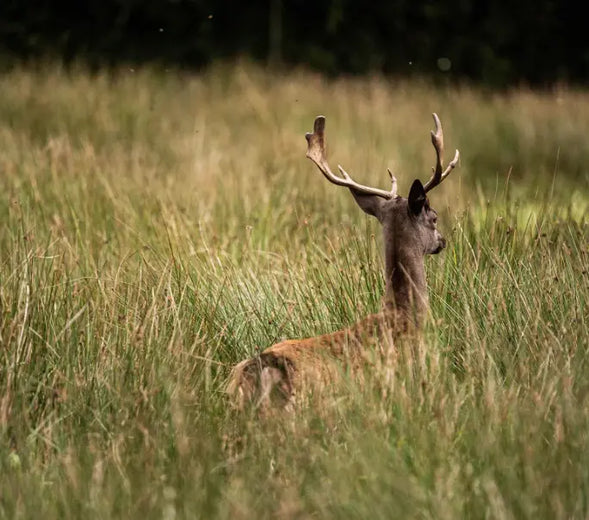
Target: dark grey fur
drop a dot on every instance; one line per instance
(409, 233)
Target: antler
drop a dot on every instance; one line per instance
(316, 152)
(438, 142)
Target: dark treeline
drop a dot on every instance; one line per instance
(497, 42)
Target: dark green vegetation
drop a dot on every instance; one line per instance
(494, 42)
(157, 229)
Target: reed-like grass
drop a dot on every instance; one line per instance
(157, 227)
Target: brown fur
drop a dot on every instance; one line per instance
(283, 370)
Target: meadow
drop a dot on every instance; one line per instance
(156, 227)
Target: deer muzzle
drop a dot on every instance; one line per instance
(441, 245)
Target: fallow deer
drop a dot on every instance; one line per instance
(410, 233)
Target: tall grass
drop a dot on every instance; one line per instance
(158, 227)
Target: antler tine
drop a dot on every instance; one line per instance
(316, 152)
(393, 182)
(438, 142)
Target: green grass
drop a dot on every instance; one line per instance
(157, 227)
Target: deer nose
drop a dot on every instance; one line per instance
(441, 245)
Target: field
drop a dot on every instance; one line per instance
(159, 226)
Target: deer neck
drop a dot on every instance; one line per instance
(406, 290)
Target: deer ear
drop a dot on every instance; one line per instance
(417, 197)
(371, 204)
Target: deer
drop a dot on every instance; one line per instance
(409, 228)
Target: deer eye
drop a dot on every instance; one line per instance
(435, 220)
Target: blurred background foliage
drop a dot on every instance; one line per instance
(497, 43)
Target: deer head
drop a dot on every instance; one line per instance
(409, 224)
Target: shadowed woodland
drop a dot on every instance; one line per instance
(495, 43)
